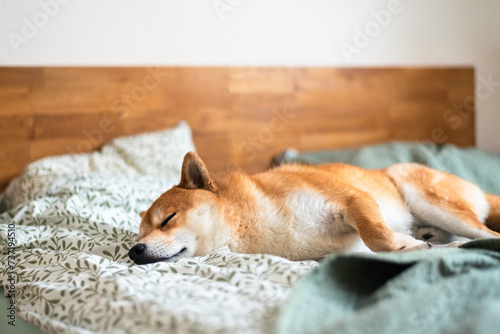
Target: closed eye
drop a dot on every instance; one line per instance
(166, 220)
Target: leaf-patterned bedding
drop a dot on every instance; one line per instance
(73, 218)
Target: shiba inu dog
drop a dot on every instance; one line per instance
(307, 212)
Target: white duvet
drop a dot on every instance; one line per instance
(73, 219)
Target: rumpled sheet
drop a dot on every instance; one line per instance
(73, 220)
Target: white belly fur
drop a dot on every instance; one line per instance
(319, 226)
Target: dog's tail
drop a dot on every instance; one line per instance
(493, 219)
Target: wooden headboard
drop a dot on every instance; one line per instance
(240, 117)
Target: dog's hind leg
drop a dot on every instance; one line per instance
(443, 200)
(493, 219)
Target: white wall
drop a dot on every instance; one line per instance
(263, 33)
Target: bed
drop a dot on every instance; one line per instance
(85, 149)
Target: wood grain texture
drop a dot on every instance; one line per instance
(241, 117)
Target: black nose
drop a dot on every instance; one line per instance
(136, 253)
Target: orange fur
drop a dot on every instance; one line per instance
(307, 212)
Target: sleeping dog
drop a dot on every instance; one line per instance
(307, 212)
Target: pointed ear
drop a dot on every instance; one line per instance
(195, 174)
(142, 213)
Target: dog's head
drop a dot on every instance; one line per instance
(182, 221)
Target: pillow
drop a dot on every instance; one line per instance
(474, 165)
(157, 154)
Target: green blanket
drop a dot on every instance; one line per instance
(436, 291)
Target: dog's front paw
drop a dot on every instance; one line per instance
(453, 244)
(419, 246)
(428, 245)
(406, 243)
